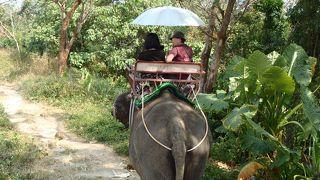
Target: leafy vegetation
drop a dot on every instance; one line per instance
(263, 112)
(263, 99)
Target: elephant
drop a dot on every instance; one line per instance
(176, 125)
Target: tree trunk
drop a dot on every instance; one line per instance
(208, 46)
(11, 35)
(64, 43)
(220, 44)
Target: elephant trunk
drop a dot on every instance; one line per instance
(179, 147)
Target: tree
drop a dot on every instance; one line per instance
(110, 41)
(274, 27)
(7, 25)
(220, 44)
(219, 16)
(65, 44)
(306, 32)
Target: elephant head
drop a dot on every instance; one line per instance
(120, 108)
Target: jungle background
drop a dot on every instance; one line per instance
(260, 94)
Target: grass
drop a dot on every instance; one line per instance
(17, 153)
(7, 65)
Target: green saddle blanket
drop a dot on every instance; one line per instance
(156, 93)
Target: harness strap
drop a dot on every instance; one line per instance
(158, 142)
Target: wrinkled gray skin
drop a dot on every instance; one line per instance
(120, 108)
(175, 124)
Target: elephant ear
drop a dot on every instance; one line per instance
(258, 63)
(213, 102)
(277, 80)
(311, 107)
(300, 65)
(236, 118)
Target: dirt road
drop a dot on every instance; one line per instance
(69, 157)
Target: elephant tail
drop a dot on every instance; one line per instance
(179, 149)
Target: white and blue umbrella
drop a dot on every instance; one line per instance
(168, 16)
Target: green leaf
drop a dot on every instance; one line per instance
(260, 130)
(280, 62)
(258, 63)
(234, 119)
(311, 107)
(211, 102)
(300, 66)
(232, 69)
(256, 144)
(285, 155)
(240, 68)
(221, 94)
(277, 80)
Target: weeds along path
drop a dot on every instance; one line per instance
(68, 157)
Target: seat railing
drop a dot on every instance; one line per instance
(158, 72)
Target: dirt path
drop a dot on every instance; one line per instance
(69, 157)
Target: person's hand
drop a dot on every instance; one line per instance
(169, 58)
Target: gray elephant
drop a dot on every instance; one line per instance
(173, 123)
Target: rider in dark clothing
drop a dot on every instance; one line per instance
(152, 49)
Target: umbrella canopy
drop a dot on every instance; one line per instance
(168, 16)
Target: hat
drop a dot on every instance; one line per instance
(178, 34)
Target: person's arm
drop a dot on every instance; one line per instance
(172, 53)
(169, 58)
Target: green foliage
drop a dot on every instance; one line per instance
(255, 144)
(111, 38)
(107, 37)
(273, 34)
(226, 149)
(305, 32)
(277, 81)
(213, 171)
(301, 66)
(257, 64)
(6, 65)
(263, 27)
(245, 35)
(235, 119)
(4, 122)
(212, 102)
(311, 108)
(44, 24)
(262, 93)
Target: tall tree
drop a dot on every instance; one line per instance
(305, 20)
(220, 44)
(7, 25)
(67, 13)
(205, 55)
(273, 31)
(218, 14)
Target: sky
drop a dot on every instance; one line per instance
(17, 2)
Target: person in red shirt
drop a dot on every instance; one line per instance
(180, 51)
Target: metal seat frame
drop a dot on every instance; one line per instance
(159, 69)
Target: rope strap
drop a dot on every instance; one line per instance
(158, 142)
